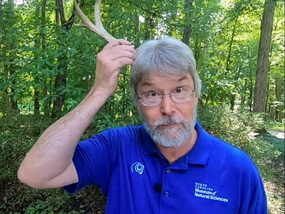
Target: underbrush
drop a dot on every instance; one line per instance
(20, 132)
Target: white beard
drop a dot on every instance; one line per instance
(173, 137)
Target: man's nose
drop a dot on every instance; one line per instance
(167, 106)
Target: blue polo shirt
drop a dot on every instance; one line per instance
(213, 178)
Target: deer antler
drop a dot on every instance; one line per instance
(98, 27)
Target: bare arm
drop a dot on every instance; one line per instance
(49, 162)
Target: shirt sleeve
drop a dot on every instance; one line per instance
(258, 201)
(254, 197)
(92, 162)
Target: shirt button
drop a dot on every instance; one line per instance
(166, 194)
(168, 171)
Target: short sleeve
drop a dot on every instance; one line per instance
(92, 162)
(253, 195)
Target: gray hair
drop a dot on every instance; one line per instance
(167, 57)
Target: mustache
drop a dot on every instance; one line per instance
(168, 120)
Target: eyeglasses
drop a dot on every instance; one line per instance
(178, 95)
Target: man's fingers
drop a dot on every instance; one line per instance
(123, 54)
(120, 51)
(124, 61)
(126, 48)
(124, 42)
(120, 48)
(117, 42)
(116, 54)
(112, 43)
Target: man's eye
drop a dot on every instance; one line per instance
(152, 94)
(178, 90)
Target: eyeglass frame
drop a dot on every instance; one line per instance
(162, 96)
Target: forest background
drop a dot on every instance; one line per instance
(47, 66)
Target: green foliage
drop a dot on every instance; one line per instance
(274, 125)
(224, 39)
(237, 128)
(18, 134)
(243, 129)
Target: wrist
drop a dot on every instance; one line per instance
(95, 99)
(102, 91)
(99, 93)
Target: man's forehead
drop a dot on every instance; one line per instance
(151, 78)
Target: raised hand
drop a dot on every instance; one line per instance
(115, 55)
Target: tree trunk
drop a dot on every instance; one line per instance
(8, 56)
(187, 21)
(60, 82)
(197, 50)
(228, 63)
(3, 56)
(267, 96)
(260, 92)
(250, 82)
(243, 94)
(172, 19)
(43, 38)
(36, 78)
(12, 67)
(278, 92)
(60, 10)
(147, 32)
(137, 29)
(233, 96)
(2, 26)
(36, 101)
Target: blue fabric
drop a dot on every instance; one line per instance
(214, 177)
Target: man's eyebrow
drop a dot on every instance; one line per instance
(182, 78)
(146, 84)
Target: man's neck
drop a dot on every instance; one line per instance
(172, 154)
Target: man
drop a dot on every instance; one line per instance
(169, 164)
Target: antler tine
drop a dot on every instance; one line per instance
(98, 27)
(97, 13)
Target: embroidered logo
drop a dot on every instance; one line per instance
(137, 167)
(206, 192)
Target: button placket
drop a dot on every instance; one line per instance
(166, 193)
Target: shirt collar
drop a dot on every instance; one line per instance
(147, 145)
(199, 154)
